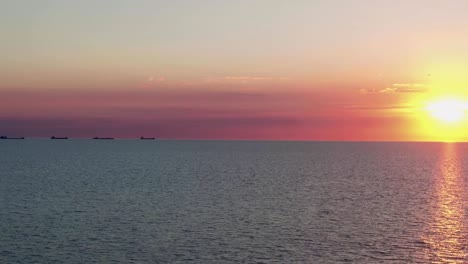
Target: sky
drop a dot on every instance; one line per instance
(257, 69)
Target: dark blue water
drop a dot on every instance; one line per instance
(130, 201)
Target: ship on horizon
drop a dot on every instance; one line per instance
(103, 138)
(5, 137)
(147, 138)
(54, 137)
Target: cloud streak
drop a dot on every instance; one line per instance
(399, 88)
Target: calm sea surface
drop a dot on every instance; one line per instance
(132, 201)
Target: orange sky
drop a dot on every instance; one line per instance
(306, 70)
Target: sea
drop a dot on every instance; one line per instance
(163, 201)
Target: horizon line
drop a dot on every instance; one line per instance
(265, 140)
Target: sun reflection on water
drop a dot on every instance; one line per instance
(446, 238)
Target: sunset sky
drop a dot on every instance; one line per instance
(256, 69)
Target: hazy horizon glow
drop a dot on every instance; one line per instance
(301, 70)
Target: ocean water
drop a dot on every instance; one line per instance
(132, 201)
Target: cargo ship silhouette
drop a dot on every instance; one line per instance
(107, 138)
(5, 137)
(54, 137)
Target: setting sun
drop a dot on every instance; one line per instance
(449, 111)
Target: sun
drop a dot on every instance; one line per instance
(449, 111)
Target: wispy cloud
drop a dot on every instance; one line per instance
(244, 79)
(399, 88)
(153, 81)
(410, 87)
(379, 107)
(156, 79)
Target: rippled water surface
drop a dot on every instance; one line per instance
(130, 201)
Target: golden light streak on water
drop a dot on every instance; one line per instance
(446, 237)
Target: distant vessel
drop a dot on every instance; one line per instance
(103, 138)
(54, 137)
(147, 138)
(5, 137)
